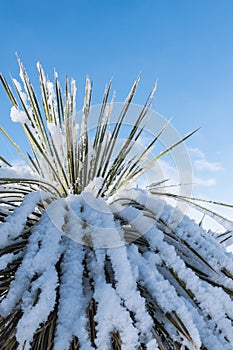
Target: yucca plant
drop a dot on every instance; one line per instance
(87, 260)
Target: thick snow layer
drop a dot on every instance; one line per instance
(128, 291)
(111, 313)
(8, 258)
(75, 272)
(161, 290)
(72, 317)
(42, 254)
(33, 316)
(205, 294)
(91, 221)
(183, 226)
(14, 224)
(82, 228)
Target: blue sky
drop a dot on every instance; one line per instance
(186, 45)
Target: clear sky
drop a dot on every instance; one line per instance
(186, 45)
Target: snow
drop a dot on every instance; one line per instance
(128, 291)
(206, 294)
(18, 116)
(14, 224)
(76, 261)
(95, 186)
(152, 345)
(74, 91)
(83, 227)
(43, 252)
(8, 258)
(22, 94)
(183, 226)
(33, 316)
(91, 221)
(72, 317)
(111, 315)
(160, 289)
(58, 138)
(51, 92)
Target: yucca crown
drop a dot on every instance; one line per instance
(90, 262)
